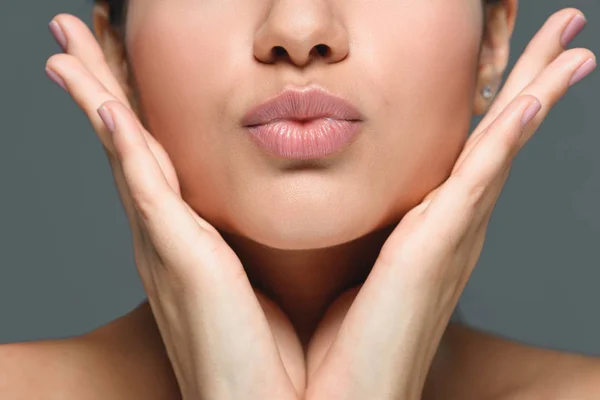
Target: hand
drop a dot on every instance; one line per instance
(224, 340)
(383, 347)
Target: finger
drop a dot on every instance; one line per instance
(81, 43)
(552, 84)
(549, 86)
(497, 146)
(469, 186)
(545, 47)
(88, 92)
(180, 242)
(454, 212)
(85, 89)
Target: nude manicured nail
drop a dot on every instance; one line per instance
(583, 71)
(58, 34)
(572, 30)
(56, 78)
(531, 112)
(107, 118)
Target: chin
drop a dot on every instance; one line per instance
(305, 227)
(305, 234)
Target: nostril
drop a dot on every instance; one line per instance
(323, 50)
(279, 51)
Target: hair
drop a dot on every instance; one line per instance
(118, 10)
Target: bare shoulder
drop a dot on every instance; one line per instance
(120, 360)
(476, 365)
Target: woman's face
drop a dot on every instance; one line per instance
(410, 67)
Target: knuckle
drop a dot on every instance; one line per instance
(468, 192)
(147, 199)
(144, 204)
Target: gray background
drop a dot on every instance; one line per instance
(65, 247)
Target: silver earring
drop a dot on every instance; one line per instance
(487, 92)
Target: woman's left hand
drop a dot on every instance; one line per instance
(384, 345)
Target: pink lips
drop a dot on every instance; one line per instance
(303, 125)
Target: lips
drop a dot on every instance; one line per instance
(303, 124)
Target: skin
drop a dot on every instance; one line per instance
(310, 292)
(269, 209)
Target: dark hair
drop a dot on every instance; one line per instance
(118, 10)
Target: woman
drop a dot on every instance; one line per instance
(305, 204)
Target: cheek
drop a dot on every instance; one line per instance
(423, 71)
(175, 59)
(186, 64)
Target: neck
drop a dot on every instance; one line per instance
(304, 282)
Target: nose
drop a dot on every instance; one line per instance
(301, 31)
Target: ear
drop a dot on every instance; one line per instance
(500, 16)
(112, 43)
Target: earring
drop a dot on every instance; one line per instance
(487, 92)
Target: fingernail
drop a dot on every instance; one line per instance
(531, 112)
(583, 71)
(572, 29)
(57, 79)
(58, 34)
(107, 118)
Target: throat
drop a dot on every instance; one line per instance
(304, 283)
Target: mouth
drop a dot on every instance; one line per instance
(303, 124)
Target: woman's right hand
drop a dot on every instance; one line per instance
(224, 340)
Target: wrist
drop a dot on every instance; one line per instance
(395, 362)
